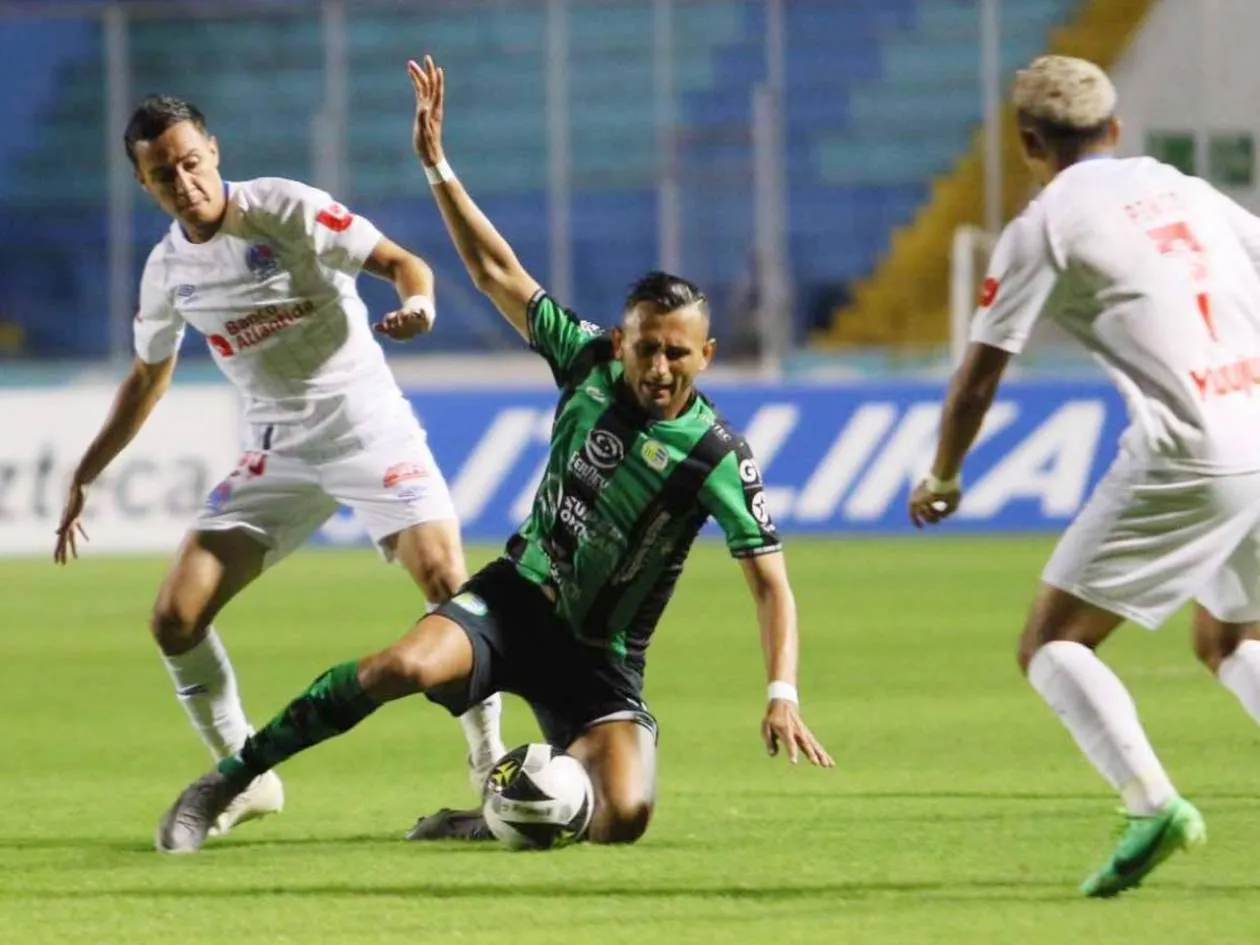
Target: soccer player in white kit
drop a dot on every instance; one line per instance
(266, 270)
(1155, 273)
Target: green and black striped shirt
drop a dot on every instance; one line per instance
(624, 495)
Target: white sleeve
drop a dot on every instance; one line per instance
(157, 327)
(1022, 274)
(311, 217)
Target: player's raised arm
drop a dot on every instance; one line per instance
(734, 495)
(487, 256)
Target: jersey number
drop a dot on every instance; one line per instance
(1177, 239)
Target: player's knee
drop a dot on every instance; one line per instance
(174, 630)
(1214, 643)
(620, 820)
(397, 671)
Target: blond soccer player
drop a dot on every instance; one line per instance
(1155, 273)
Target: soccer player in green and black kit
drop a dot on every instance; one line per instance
(639, 460)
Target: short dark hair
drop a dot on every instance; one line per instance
(668, 293)
(155, 115)
(1065, 143)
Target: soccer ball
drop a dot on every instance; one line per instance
(538, 798)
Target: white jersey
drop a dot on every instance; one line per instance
(1155, 273)
(274, 293)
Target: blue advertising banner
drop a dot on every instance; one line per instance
(835, 458)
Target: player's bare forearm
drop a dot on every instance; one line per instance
(137, 396)
(487, 256)
(776, 614)
(967, 402)
(409, 274)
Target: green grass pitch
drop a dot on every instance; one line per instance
(960, 811)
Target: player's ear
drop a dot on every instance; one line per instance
(212, 146)
(618, 339)
(1114, 127)
(707, 352)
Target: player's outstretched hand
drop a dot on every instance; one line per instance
(928, 508)
(405, 324)
(783, 726)
(429, 83)
(71, 524)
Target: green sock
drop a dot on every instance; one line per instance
(334, 703)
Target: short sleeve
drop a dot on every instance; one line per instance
(735, 496)
(158, 329)
(300, 214)
(1022, 275)
(561, 337)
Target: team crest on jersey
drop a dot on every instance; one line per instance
(403, 472)
(654, 454)
(262, 261)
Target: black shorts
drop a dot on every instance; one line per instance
(520, 646)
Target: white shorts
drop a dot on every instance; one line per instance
(390, 485)
(1148, 541)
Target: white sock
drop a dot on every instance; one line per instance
(481, 729)
(1240, 674)
(481, 726)
(1100, 714)
(206, 687)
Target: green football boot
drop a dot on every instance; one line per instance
(1145, 843)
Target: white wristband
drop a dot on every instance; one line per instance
(439, 173)
(942, 486)
(419, 303)
(782, 690)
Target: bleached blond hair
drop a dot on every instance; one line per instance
(1073, 94)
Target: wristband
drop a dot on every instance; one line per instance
(782, 690)
(440, 173)
(421, 304)
(942, 486)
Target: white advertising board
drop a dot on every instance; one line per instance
(146, 498)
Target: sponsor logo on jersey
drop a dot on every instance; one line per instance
(336, 217)
(585, 472)
(222, 347)
(654, 454)
(250, 329)
(1238, 377)
(262, 261)
(988, 292)
(573, 512)
(403, 472)
(757, 505)
(596, 394)
(590, 328)
(749, 474)
(470, 602)
(604, 449)
(185, 292)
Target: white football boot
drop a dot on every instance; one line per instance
(264, 796)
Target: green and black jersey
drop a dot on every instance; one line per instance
(624, 495)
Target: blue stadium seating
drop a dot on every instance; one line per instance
(881, 96)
